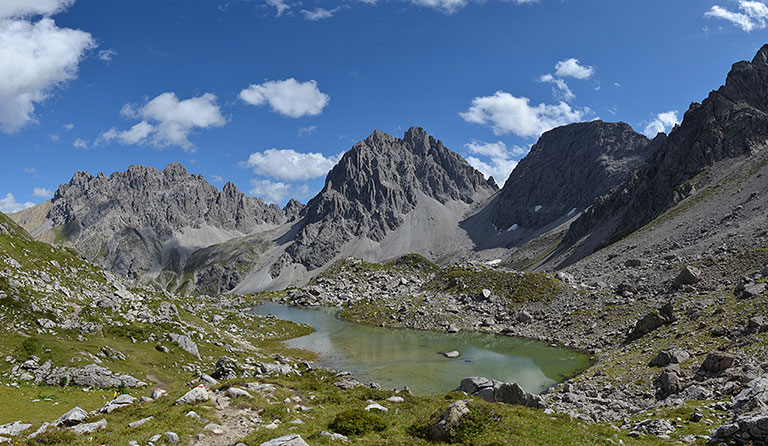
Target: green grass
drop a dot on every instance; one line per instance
(514, 287)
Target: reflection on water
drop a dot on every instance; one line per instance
(398, 357)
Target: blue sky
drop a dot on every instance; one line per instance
(268, 93)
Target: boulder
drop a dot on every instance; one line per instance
(670, 381)
(333, 436)
(89, 428)
(717, 362)
(236, 392)
(500, 392)
(446, 426)
(167, 312)
(185, 343)
(138, 423)
(524, 317)
(288, 440)
(226, 368)
(120, 401)
(690, 275)
(746, 430)
(196, 395)
(758, 324)
(74, 416)
(634, 263)
(652, 321)
(753, 397)
(672, 355)
(14, 429)
(750, 290)
(451, 354)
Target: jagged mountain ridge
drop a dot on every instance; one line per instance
(145, 219)
(731, 122)
(374, 185)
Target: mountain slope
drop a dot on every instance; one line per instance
(731, 122)
(377, 187)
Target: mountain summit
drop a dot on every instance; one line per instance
(376, 184)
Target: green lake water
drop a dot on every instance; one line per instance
(400, 357)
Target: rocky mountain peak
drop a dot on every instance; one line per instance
(565, 171)
(375, 184)
(122, 221)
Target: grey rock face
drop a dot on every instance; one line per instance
(13, 429)
(373, 186)
(652, 321)
(731, 122)
(122, 221)
(566, 170)
(91, 375)
(718, 362)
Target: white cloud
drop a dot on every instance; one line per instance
(80, 143)
(307, 130)
(217, 178)
(280, 5)
(754, 15)
(107, 55)
(509, 114)
(289, 97)
(499, 169)
(26, 8)
(572, 68)
(68, 126)
(42, 192)
(288, 164)
(451, 6)
(36, 58)
(277, 192)
(30, 170)
(55, 137)
(662, 123)
(9, 205)
(562, 91)
(167, 121)
(319, 13)
(499, 163)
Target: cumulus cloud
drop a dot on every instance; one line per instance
(572, 68)
(663, 122)
(289, 97)
(26, 8)
(167, 121)
(754, 15)
(42, 192)
(319, 13)
(499, 163)
(217, 178)
(9, 205)
(80, 143)
(562, 90)
(510, 114)
(277, 191)
(37, 57)
(288, 164)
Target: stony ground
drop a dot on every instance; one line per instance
(90, 358)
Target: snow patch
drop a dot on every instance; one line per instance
(537, 208)
(512, 228)
(571, 212)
